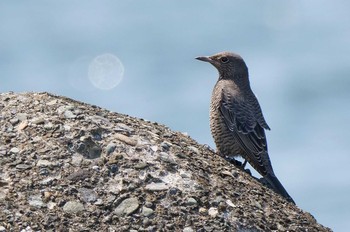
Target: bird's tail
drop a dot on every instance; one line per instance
(278, 187)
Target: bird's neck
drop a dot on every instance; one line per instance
(241, 81)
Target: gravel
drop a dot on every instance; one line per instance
(71, 166)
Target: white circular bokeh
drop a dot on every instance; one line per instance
(105, 71)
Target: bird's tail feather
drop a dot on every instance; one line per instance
(278, 187)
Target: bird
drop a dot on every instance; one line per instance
(237, 123)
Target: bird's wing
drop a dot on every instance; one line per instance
(241, 119)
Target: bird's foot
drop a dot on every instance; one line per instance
(237, 163)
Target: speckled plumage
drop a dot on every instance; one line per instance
(236, 120)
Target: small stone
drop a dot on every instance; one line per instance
(191, 201)
(165, 157)
(52, 102)
(110, 148)
(77, 159)
(87, 195)
(22, 116)
(69, 114)
(44, 163)
(73, 207)
(14, 121)
(38, 121)
(156, 186)
(51, 205)
(36, 201)
(187, 229)
(123, 128)
(127, 207)
(140, 165)
(48, 126)
(14, 150)
(165, 145)
(154, 148)
(98, 202)
(147, 211)
(229, 202)
(194, 149)
(126, 139)
(79, 175)
(203, 211)
(213, 212)
(184, 174)
(23, 166)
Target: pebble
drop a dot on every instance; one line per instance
(191, 201)
(99, 202)
(36, 201)
(14, 121)
(125, 139)
(2, 229)
(213, 212)
(194, 149)
(14, 150)
(23, 166)
(87, 195)
(44, 163)
(22, 116)
(52, 102)
(77, 159)
(163, 156)
(202, 211)
(110, 148)
(127, 207)
(73, 207)
(165, 145)
(156, 186)
(147, 211)
(187, 229)
(69, 114)
(48, 126)
(38, 121)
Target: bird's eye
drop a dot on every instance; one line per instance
(224, 59)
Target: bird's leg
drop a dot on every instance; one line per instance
(244, 163)
(238, 164)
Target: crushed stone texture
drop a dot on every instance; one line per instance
(71, 166)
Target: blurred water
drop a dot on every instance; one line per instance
(297, 53)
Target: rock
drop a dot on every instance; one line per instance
(38, 121)
(157, 187)
(14, 150)
(110, 148)
(127, 207)
(44, 163)
(147, 211)
(36, 201)
(213, 212)
(23, 166)
(77, 159)
(187, 229)
(87, 195)
(194, 149)
(73, 207)
(191, 201)
(69, 114)
(125, 139)
(114, 172)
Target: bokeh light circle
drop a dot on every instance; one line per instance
(105, 71)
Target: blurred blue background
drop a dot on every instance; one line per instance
(297, 53)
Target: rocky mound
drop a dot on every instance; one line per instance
(70, 166)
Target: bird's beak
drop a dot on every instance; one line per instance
(204, 58)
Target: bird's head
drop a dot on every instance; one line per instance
(229, 65)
